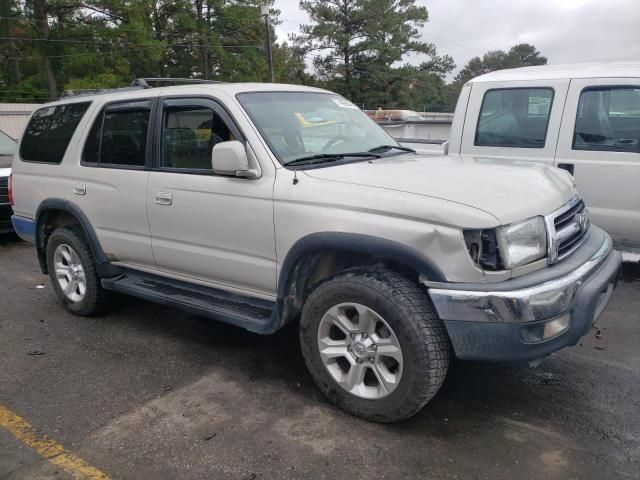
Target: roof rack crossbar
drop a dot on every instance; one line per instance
(146, 82)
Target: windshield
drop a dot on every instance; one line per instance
(7, 145)
(300, 124)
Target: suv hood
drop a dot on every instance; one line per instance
(509, 190)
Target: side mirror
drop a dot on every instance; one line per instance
(230, 158)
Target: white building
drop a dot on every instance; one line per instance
(14, 116)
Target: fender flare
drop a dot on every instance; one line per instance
(346, 242)
(103, 266)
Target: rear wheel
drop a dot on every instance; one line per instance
(73, 273)
(374, 344)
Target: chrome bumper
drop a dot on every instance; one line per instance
(494, 322)
(537, 302)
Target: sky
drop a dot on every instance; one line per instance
(564, 31)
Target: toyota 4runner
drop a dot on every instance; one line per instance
(262, 204)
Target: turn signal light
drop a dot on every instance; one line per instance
(556, 326)
(541, 331)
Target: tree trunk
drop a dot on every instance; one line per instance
(40, 13)
(347, 73)
(157, 34)
(16, 75)
(203, 49)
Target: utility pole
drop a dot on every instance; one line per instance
(264, 11)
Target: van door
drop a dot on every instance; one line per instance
(208, 228)
(514, 120)
(600, 142)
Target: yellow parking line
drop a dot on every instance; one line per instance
(47, 448)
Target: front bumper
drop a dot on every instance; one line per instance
(492, 322)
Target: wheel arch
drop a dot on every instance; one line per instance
(319, 256)
(54, 213)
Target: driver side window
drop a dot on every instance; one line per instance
(189, 133)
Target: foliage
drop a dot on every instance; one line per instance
(107, 43)
(522, 55)
(356, 46)
(369, 50)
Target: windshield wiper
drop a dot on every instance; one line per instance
(329, 157)
(385, 148)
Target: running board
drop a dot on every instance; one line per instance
(250, 313)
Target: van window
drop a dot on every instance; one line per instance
(189, 133)
(49, 131)
(119, 136)
(608, 119)
(514, 117)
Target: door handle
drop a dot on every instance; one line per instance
(79, 189)
(164, 198)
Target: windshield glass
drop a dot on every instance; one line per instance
(300, 124)
(7, 145)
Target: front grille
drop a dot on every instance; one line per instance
(4, 190)
(568, 228)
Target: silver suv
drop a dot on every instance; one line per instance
(261, 205)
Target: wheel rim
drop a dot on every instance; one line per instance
(360, 350)
(70, 273)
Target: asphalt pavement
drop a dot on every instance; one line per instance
(147, 392)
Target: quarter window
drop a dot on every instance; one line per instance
(49, 132)
(189, 133)
(608, 119)
(514, 117)
(119, 136)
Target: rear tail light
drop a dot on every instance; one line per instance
(10, 191)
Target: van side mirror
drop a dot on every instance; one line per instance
(230, 158)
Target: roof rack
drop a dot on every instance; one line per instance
(95, 91)
(137, 84)
(149, 82)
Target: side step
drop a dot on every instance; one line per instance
(250, 313)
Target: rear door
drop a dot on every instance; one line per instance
(515, 120)
(207, 227)
(110, 187)
(600, 142)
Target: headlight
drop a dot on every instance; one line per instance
(522, 243)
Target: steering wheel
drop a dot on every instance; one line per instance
(332, 141)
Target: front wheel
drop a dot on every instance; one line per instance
(374, 344)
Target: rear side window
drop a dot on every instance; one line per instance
(119, 136)
(514, 117)
(608, 119)
(49, 131)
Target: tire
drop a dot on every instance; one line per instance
(406, 313)
(69, 242)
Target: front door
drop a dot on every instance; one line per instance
(600, 142)
(208, 228)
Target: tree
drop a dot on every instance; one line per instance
(355, 38)
(522, 55)
(42, 26)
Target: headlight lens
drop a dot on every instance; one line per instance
(522, 243)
